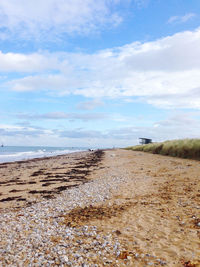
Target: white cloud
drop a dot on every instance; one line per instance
(13, 130)
(178, 125)
(35, 18)
(89, 105)
(36, 62)
(82, 134)
(190, 99)
(63, 115)
(164, 72)
(42, 82)
(181, 19)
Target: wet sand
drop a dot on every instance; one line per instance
(23, 183)
(154, 213)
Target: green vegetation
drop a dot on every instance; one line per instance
(186, 148)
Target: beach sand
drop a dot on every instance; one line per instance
(121, 208)
(23, 183)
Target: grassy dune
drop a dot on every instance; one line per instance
(186, 148)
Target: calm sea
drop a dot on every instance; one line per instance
(14, 153)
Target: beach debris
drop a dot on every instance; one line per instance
(123, 255)
(193, 263)
(67, 231)
(117, 232)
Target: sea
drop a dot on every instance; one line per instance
(15, 153)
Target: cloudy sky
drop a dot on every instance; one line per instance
(99, 72)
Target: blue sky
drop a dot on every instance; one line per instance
(99, 72)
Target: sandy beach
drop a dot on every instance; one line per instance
(26, 182)
(101, 208)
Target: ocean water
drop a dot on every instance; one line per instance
(14, 153)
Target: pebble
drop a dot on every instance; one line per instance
(37, 236)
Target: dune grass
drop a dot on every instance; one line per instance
(185, 148)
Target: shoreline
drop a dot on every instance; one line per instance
(42, 157)
(31, 180)
(135, 209)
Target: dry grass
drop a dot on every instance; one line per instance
(186, 148)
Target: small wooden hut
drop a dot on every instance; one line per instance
(144, 141)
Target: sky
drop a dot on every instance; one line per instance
(99, 73)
